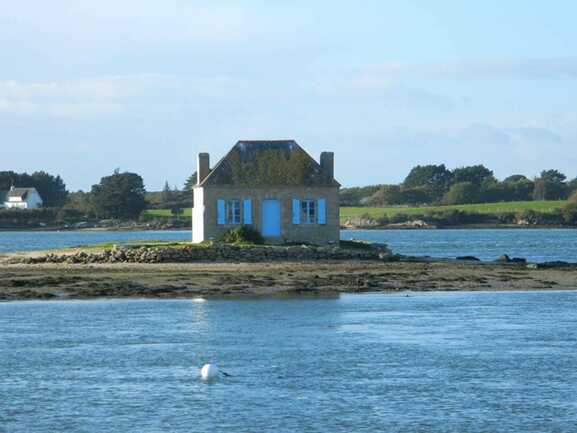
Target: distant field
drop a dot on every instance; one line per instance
(348, 212)
(166, 212)
(515, 206)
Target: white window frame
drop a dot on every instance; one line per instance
(309, 211)
(233, 212)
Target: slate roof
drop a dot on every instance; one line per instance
(267, 162)
(21, 193)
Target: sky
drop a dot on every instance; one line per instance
(87, 87)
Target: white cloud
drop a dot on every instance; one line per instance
(106, 95)
(114, 87)
(388, 93)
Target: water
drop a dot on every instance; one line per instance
(435, 362)
(534, 244)
(35, 241)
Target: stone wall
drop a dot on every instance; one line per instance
(309, 233)
(217, 253)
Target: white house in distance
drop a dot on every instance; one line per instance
(22, 198)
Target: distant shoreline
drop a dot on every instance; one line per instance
(387, 227)
(465, 227)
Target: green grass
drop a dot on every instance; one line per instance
(491, 208)
(349, 212)
(166, 212)
(141, 243)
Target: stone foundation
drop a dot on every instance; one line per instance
(217, 253)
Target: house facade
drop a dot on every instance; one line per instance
(22, 198)
(274, 187)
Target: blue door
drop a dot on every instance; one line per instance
(270, 218)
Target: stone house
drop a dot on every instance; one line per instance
(21, 198)
(273, 186)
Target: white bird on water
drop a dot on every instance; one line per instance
(211, 371)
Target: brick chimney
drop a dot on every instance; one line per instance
(202, 167)
(328, 166)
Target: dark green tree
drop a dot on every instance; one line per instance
(554, 176)
(515, 178)
(387, 195)
(462, 193)
(434, 179)
(475, 174)
(569, 210)
(81, 202)
(120, 195)
(550, 186)
(416, 196)
(190, 182)
(168, 195)
(357, 196)
(51, 189)
(572, 186)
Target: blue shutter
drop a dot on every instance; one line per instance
(322, 211)
(296, 211)
(220, 212)
(247, 212)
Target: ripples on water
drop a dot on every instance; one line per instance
(534, 244)
(437, 362)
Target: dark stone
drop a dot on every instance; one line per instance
(554, 264)
(519, 260)
(469, 258)
(504, 259)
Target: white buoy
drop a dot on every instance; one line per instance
(198, 300)
(208, 371)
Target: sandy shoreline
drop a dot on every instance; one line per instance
(188, 280)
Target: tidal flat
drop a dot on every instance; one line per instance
(268, 279)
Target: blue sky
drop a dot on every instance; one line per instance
(143, 85)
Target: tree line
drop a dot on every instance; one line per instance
(435, 184)
(121, 195)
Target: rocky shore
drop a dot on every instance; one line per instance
(212, 253)
(311, 274)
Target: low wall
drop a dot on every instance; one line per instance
(217, 253)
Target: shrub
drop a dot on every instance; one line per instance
(399, 218)
(69, 215)
(506, 217)
(242, 235)
(533, 217)
(462, 193)
(569, 213)
(383, 220)
(454, 217)
(27, 217)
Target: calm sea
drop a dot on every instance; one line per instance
(533, 244)
(431, 362)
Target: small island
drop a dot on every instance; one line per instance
(220, 270)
